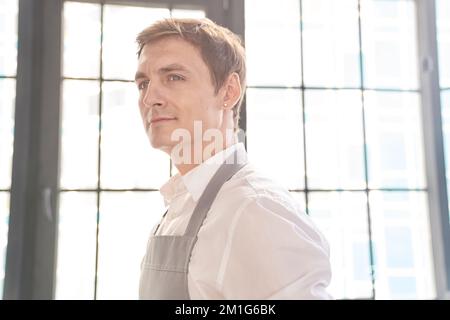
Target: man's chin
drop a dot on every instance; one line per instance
(162, 145)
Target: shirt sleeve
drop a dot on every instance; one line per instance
(275, 252)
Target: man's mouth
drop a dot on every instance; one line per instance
(157, 120)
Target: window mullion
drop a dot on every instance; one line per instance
(433, 144)
(31, 250)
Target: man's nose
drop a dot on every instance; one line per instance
(153, 96)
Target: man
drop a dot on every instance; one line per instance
(229, 232)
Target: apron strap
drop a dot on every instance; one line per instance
(159, 224)
(230, 166)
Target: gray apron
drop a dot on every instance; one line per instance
(165, 266)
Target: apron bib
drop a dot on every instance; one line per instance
(164, 271)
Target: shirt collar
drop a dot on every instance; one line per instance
(171, 188)
(196, 180)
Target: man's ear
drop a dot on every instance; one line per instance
(232, 88)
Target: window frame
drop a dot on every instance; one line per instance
(30, 257)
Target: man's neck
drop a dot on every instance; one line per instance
(184, 168)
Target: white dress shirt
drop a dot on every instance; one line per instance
(255, 242)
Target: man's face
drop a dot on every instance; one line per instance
(175, 89)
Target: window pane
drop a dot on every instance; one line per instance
(188, 13)
(402, 242)
(394, 140)
(126, 221)
(75, 273)
(79, 139)
(121, 26)
(8, 37)
(278, 22)
(274, 122)
(342, 217)
(8, 66)
(128, 160)
(4, 224)
(334, 133)
(7, 99)
(443, 36)
(331, 43)
(82, 40)
(389, 44)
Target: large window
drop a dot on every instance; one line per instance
(8, 56)
(333, 113)
(110, 176)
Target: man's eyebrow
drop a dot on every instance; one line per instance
(173, 67)
(166, 69)
(139, 75)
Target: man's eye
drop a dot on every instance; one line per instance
(175, 77)
(143, 85)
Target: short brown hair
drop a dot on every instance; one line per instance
(221, 49)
